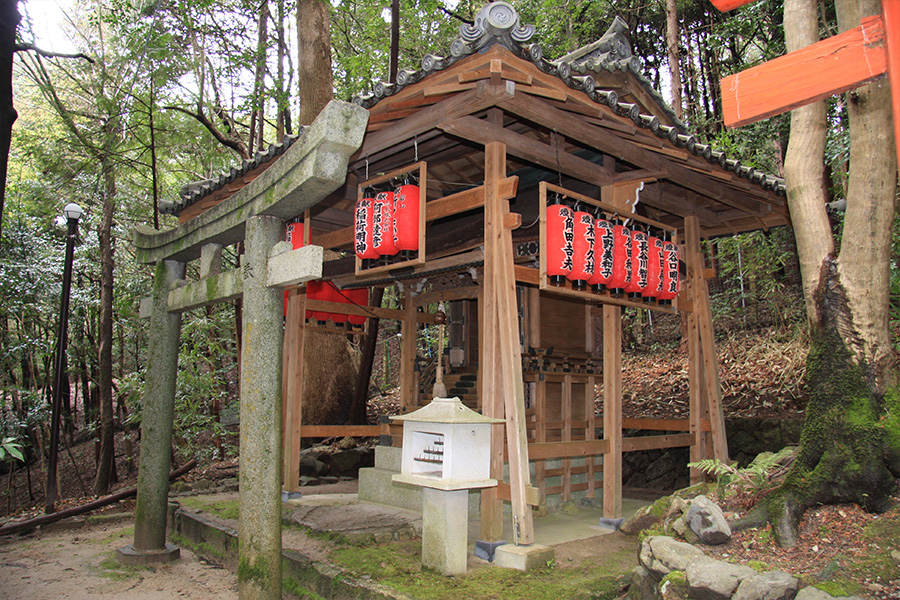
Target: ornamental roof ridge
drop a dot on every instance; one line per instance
(498, 23)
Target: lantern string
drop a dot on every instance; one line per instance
(416, 147)
(367, 167)
(440, 390)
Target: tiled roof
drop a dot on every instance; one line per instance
(194, 191)
(498, 23)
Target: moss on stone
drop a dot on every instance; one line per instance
(256, 571)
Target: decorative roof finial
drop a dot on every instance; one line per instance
(495, 20)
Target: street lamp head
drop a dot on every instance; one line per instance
(73, 211)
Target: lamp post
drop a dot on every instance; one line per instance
(73, 213)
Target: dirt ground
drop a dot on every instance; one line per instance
(80, 564)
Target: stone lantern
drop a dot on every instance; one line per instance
(446, 450)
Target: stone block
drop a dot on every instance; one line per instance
(523, 558)
(771, 585)
(388, 458)
(296, 266)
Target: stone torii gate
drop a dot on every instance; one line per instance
(314, 166)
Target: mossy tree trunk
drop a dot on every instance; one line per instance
(850, 445)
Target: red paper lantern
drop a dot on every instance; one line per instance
(358, 297)
(654, 269)
(621, 276)
(603, 255)
(317, 290)
(639, 264)
(362, 227)
(406, 218)
(560, 238)
(383, 224)
(670, 273)
(582, 250)
(336, 295)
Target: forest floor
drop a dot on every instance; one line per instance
(761, 377)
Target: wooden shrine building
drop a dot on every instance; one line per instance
(491, 132)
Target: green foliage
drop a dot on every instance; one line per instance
(11, 449)
(755, 479)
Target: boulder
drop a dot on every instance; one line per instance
(345, 461)
(643, 585)
(311, 466)
(771, 585)
(645, 518)
(661, 554)
(715, 580)
(814, 593)
(705, 519)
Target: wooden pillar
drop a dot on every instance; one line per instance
(408, 389)
(491, 406)
(566, 404)
(707, 367)
(590, 432)
(612, 410)
(503, 362)
(292, 388)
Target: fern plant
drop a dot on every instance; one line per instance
(750, 482)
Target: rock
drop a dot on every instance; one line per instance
(229, 484)
(201, 484)
(345, 461)
(705, 519)
(346, 443)
(715, 580)
(643, 585)
(895, 556)
(771, 585)
(674, 586)
(311, 466)
(328, 479)
(661, 554)
(306, 480)
(644, 518)
(179, 487)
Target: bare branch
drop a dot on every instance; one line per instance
(48, 54)
(236, 145)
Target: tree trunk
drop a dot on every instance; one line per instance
(674, 59)
(850, 445)
(9, 21)
(105, 462)
(314, 42)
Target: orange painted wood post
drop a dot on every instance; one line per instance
(832, 66)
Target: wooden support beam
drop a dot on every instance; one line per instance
(832, 66)
(343, 308)
(506, 378)
(409, 394)
(703, 313)
(526, 148)
(533, 495)
(483, 96)
(326, 431)
(612, 411)
(576, 129)
(657, 442)
(292, 389)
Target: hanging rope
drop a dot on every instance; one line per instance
(440, 390)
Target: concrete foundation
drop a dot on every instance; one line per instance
(157, 421)
(259, 563)
(129, 555)
(445, 522)
(523, 558)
